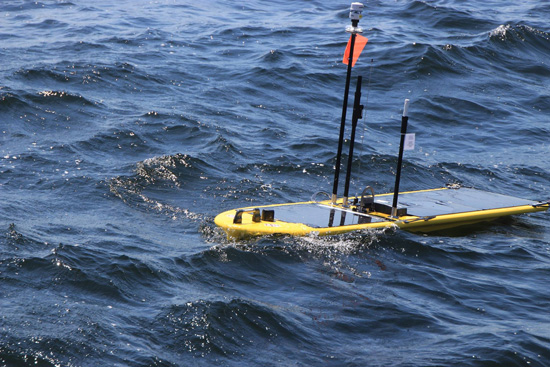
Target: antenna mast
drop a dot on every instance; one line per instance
(355, 14)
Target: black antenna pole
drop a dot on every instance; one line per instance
(404, 122)
(342, 124)
(355, 14)
(357, 112)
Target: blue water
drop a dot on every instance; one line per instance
(126, 126)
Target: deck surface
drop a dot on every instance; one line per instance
(420, 203)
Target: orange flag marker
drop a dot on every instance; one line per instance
(360, 43)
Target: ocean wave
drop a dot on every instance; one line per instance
(13, 100)
(52, 95)
(219, 327)
(517, 42)
(441, 15)
(160, 173)
(62, 74)
(47, 24)
(519, 32)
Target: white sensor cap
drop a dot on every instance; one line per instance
(406, 108)
(356, 11)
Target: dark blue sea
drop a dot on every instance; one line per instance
(126, 126)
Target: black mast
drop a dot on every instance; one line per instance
(357, 112)
(355, 14)
(404, 122)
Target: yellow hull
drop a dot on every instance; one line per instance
(250, 226)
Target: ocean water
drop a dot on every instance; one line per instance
(127, 126)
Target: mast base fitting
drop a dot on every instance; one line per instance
(354, 30)
(395, 213)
